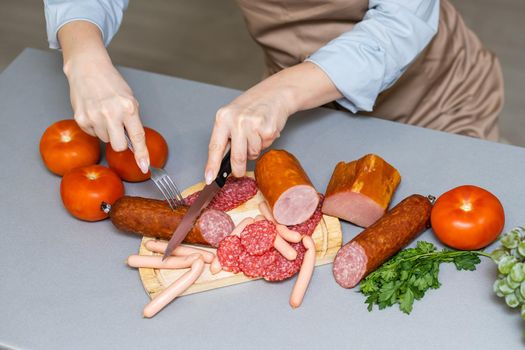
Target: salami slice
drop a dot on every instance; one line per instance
(229, 251)
(255, 265)
(215, 225)
(282, 268)
(258, 238)
(308, 227)
(235, 192)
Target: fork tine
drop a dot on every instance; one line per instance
(169, 197)
(175, 189)
(167, 186)
(170, 191)
(162, 190)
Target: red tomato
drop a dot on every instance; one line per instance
(65, 146)
(124, 162)
(84, 189)
(467, 217)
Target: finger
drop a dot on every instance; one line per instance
(267, 143)
(138, 140)
(116, 136)
(218, 142)
(101, 132)
(239, 152)
(254, 146)
(89, 130)
(84, 124)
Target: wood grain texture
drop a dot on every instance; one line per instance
(327, 237)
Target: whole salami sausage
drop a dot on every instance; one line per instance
(286, 187)
(377, 243)
(154, 218)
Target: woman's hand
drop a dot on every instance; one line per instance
(253, 121)
(102, 101)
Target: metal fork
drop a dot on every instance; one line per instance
(163, 181)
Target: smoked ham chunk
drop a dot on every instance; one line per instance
(289, 192)
(360, 191)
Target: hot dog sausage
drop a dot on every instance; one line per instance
(156, 262)
(175, 289)
(154, 218)
(305, 273)
(284, 248)
(286, 187)
(360, 191)
(376, 244)
(181, 250)
(215, 266)
(287, 234)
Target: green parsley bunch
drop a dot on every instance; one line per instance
(409, 274)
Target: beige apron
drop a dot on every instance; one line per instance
(455, 85)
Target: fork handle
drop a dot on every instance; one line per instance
(128, 140)
(224, 171)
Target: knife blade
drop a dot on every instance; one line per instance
(202, 201)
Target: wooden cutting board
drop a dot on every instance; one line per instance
(327, 237)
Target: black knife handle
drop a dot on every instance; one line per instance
(224, 171)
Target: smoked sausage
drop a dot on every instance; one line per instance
(283, 182)
(154, 218)
(377, 243)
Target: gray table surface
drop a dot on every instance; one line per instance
(64, 284)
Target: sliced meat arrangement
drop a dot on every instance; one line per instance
(253, 253)
(360, 191)
(376, 244)
(154, 218)
(235, 192)
(283, 182)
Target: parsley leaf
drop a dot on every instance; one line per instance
(406, 301)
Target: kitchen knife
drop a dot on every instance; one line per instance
(202, 201)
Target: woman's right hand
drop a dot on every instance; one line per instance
(102, 101)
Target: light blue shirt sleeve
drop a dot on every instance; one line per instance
(105, 14)
(376, 52)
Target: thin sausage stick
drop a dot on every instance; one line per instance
(175, 289)
(259, 218)
(155, 262)
(215, 266)
(265, 210)
(239, 228)
(287, 234)
(305, 274)
(182, 250)
(284, 248)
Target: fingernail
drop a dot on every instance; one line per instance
(208, 177)
(143, 164)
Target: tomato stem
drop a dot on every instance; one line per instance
(65, 137)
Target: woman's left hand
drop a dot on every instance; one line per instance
(255, 119)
